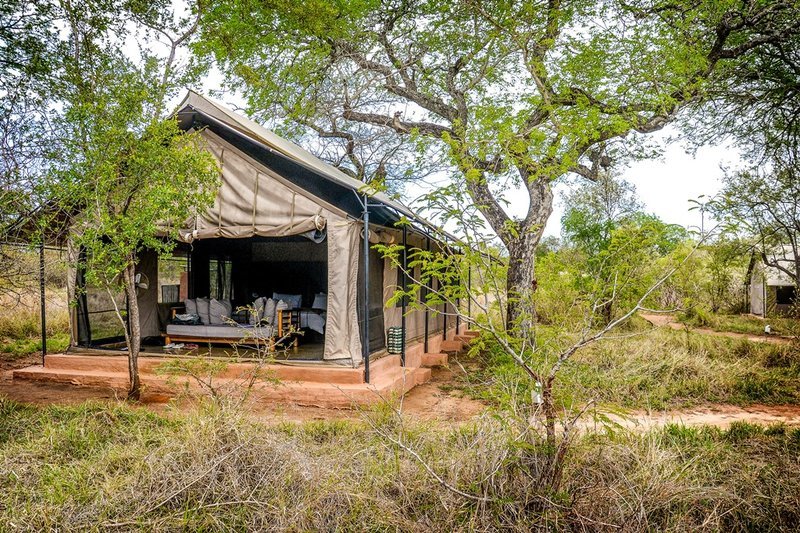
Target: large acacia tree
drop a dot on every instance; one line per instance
(517, 94)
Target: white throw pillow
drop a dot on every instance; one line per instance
(219, 311)
(294, 301)
(269, 311)
(320, 301)
(203, 310)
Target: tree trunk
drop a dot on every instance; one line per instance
(608, 311)
(521, 280)
(520, 284)
(134, 337)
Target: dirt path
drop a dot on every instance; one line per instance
(719, 415)
(44, 393)
(671, 322)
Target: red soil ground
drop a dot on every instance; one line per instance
(435, 400)
(671, 322)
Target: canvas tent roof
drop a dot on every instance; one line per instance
(293, 162)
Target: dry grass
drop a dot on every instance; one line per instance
(103, 467)
(20, 322)
(692, 479)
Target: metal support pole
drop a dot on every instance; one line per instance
(458, 314)
(405, 298)
(425, 348)
(469, 292)
(42, 300)
(444, 317)
(365, 345)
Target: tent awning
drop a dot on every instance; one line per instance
(295, 163)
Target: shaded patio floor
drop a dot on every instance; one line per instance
(308, 352)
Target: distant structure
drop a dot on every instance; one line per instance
(771, 290)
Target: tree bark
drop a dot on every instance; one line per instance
(134, 337)
(608, 312)
(521, 278)
(520, 284)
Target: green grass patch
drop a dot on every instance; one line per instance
(746, 324)
(21, 328)
(660, 369)
(20, 347)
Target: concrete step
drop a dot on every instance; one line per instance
(452, 345)
(87, 378)
(434, 359)
(316, 373)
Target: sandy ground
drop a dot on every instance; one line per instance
(719, 415)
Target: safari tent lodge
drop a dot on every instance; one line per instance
(286, 248)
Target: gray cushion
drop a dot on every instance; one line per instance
(219, 311)
(294, 301)
(219, 331)
(257, 311)
(268, 315)
(202, 310)
(191, 307)
(280, 305)
(320, 301)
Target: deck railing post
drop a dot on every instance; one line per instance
(405, 298)
(42, 300)
(365, 345)
(458, 314)
(425, 348)
(469, 292)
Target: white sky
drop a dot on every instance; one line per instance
(665, 185)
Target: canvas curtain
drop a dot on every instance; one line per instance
(342, 335)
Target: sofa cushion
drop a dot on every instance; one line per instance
(220, 331)
(320, 301)
(219, 311)
(294, 301)
(191, 306)
(256, 311)
(203, 309)
(268, 316)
